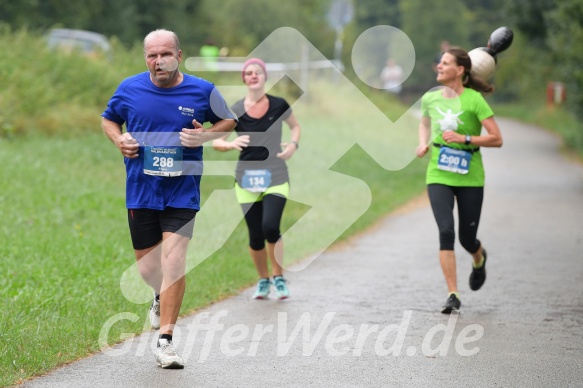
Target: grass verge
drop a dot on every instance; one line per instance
(67, 242)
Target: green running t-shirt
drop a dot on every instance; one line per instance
(463, 115)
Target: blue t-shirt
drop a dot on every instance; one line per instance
(155, 117)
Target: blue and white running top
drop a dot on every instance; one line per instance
(165, 174)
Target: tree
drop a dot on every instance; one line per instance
(446, 20)
(373, 13)
(564, 36)
(128, 20)
(370, 14)
(484, 17)
(243, 25)
(529, 17)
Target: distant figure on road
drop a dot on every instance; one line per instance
(392, 77)
(452, 119)
(210, 52)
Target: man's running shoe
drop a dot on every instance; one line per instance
(155, 314)
(478, 275)
(281, 290)
(451, 304)
(262, 289)
(166, 355)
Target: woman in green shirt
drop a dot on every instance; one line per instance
(451, 126)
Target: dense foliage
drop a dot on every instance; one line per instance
(545, 48)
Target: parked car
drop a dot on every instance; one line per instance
(88, 42)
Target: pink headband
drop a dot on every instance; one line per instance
(254, 61)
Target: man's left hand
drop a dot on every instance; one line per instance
(193, 138)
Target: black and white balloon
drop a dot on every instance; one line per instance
(484, 58)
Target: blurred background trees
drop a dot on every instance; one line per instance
(546, 46)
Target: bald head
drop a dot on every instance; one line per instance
(164, 34)
(163, 56)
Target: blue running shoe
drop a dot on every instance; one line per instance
(281, 290)
(262, 289)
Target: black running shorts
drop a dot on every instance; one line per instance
(147, 226)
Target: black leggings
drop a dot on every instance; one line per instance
(263, 219)
(469, 202)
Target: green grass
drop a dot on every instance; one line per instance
(554, 118)
(55, 92)
(66, 240)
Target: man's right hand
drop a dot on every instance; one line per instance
(127, 145)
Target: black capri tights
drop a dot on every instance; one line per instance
(263, 219)
(469, 202)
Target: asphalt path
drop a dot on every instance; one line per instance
(367, 313)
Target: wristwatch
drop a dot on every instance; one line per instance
(296, 143)
(468, 139)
